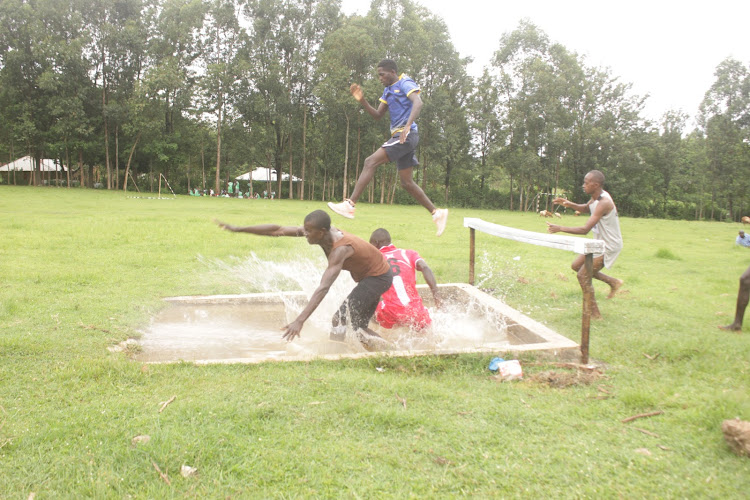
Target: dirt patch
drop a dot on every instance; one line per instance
(559, 379)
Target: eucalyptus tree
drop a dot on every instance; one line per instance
(347, 56)
(221, 40)
(526, 73)
(169, 79)
(725, 119)
(420, 44)
(25, 56)
(70, 88)
(665, 154)
(284, 38)
(574, 118)
(485, 124)
(117, 50)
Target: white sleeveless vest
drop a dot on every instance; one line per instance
(608, 230)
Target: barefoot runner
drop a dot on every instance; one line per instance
(606, 226)
(344, 251)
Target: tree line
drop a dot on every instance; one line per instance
(200, 91)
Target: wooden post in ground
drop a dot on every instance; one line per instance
(471, 256)
(587, 300)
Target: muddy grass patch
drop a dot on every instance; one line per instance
(566, 377)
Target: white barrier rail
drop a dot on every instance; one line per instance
(571, 243)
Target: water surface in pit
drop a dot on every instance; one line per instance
(247, 327)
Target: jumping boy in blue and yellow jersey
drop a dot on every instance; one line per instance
(401, 99)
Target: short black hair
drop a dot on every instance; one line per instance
(388, 64)
(597, 176)
(319, 219)
(381, 235)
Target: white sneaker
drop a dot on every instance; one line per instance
(344, 209)
(440, 217)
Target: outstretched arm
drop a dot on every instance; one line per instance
(335, 264)
(429, 277)
(602, 209)
(579, 207)
(264, 229)
(357, 93)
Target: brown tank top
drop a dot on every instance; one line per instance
(366, 260)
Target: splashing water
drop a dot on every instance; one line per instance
(248, 330)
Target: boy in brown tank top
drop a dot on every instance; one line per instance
(345, 252)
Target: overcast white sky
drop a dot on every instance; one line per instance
(665, 48)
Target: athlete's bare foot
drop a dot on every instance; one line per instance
(732, 328)
(613, 289)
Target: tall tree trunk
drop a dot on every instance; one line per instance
(127, 167)
(67, 162)
(81, 173)
(359, 150)
(291, 171)
(117, 157)
(218, 143)
(106, 121)
(345, 193)
(203, 164)
(301, 194)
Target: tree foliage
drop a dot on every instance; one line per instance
(124, 91)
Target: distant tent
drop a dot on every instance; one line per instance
(264, 174)
(26, 164)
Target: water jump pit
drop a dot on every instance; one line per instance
(247, 329)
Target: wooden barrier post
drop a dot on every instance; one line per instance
(587, 300)
(471, 256)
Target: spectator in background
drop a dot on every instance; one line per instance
(743, 239)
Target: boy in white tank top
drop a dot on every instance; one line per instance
(606, 226)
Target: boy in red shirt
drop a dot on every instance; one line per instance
(401, 305)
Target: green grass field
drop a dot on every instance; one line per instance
(82, 270)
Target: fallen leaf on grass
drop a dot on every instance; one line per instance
(562, 277)
(187, 471)
(643, 451)
(652, 358)
(141, 439)
(312, 403)
(553, 295)
(522, 280)
(441, 461)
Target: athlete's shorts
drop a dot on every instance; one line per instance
(402, 154)
(361, 303)
(414, 318)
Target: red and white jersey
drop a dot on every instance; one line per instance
(401, 304)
